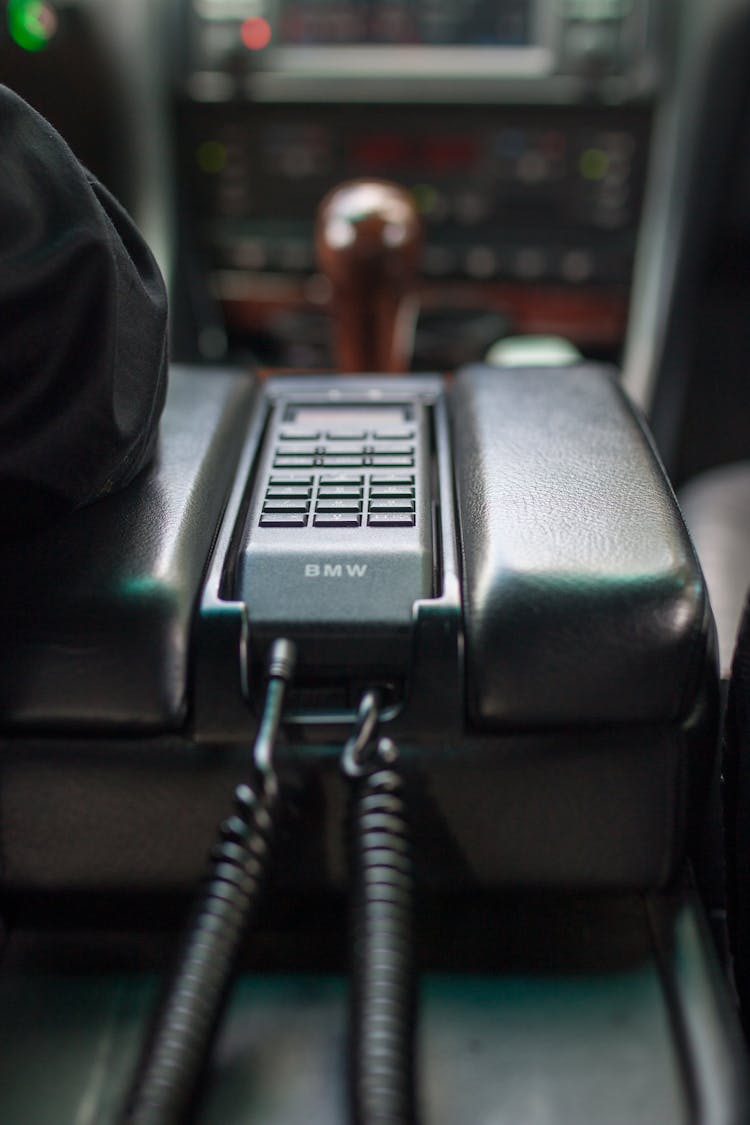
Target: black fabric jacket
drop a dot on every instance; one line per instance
(83, 330)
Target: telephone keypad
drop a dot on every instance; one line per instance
(338, 499)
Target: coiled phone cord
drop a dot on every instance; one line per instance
(383, 978)
(185, 1022)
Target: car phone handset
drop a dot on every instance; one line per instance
(368, 239)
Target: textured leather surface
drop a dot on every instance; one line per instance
(95, 611)
(584, 602)
(716, 506)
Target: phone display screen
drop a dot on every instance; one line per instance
(332, 415)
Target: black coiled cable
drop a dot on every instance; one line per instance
(186, 1020)
(383, 985)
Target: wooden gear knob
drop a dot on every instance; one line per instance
(368, 239)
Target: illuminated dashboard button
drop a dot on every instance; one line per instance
(529, 263)
(296, 257)
(251, 254)
(532, 167)
(480, 262)
(439, 261)
(471, 208)
(577, 266)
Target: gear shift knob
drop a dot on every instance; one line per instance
(368, 239)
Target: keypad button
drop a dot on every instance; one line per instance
(337, 519)
(346, 435)
(296, 481)
(395, 447)
(391, 478)
(391, 505)
(343, 462)
(283, 519)
(382, 461)
(339, 478)
(293, 462)
(306, 449)
(337, 504)
(286, 505)
(383, 490)
(394, 435)
(292, 491)
(349, 490)
(390, 519)
(354, 451)
(299, 435)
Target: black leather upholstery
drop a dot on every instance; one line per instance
(95, 612)
(584, 601)
(716, 506)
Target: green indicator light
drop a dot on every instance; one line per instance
(211, 157)
(593, 164)
(425, 198)
(31, 23)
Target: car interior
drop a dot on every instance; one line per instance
(375, 675)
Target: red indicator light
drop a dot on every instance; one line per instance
(448, 154)
(255, 33)
(381, 151)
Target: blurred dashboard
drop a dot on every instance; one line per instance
(522, 128)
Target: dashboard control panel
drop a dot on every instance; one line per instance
(521, 129)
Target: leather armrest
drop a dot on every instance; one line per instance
(96, 610)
